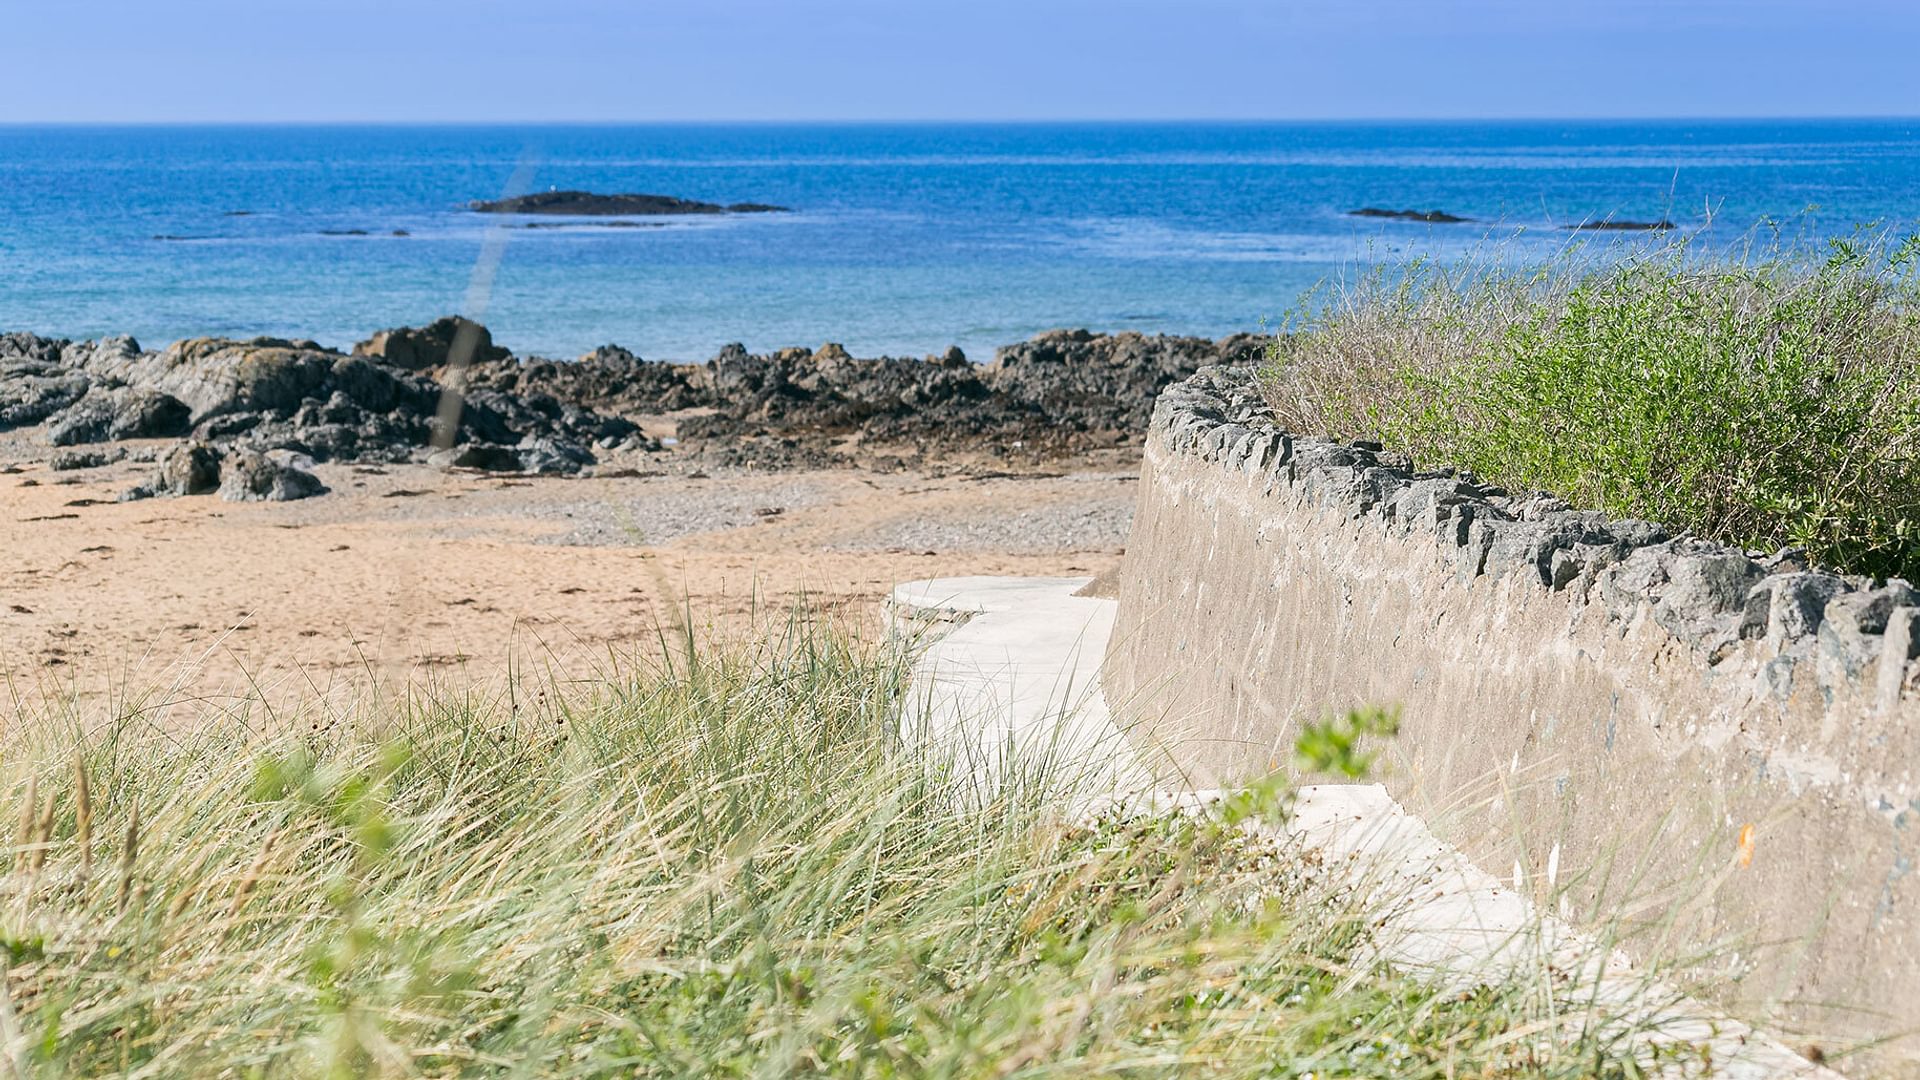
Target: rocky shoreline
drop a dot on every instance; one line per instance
(250, 418)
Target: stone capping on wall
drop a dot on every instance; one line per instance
(1708, 595)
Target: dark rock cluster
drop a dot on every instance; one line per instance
(238, 473)
(1708, 595)
(446, 393)
(1433, 217)
(1611, 225)
(431, 347)
(587, 203)
(247, 401)
(1059, 392)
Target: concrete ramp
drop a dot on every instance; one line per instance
(1009, 682)
(1009, 679)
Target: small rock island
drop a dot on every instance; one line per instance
(1437, 217)
(1611, 225)
(589, 204)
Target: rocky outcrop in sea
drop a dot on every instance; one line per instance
(1432, 217)
(587, 203)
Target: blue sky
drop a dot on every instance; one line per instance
(530, 60)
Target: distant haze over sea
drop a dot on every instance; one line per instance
(907, 238)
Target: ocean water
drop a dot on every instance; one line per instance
(906, 239)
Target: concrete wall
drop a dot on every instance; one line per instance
(1715, 749)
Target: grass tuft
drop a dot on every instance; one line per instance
(1765, 401)
(718, 864)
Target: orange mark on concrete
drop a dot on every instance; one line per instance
(1746, 845)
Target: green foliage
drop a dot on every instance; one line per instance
(1333, 746)
(1326, 746)
(1763, 403)
(720, 864)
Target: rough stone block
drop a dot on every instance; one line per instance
(1706, 592)
(1856, 622)
(1635, 580)
(1900, 643)
(1563, 568)
(1785, 608)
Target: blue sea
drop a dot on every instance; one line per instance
(906, 239)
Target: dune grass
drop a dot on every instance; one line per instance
(720, 863)
(1767, 400)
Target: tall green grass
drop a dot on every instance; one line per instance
(717, 864)
(1765, 401)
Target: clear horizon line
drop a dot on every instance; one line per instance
(972, 121)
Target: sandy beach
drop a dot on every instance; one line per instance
(402, 570)
(275, 521)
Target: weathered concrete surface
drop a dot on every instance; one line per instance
(1010, 680)
(1705, 779)
(1010, 675)
(1436, 915)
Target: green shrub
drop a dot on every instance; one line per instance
(1760, 402)
(725, 865)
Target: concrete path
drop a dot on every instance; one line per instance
(1010, 673)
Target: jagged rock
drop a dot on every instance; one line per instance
(102, 357)
(1865, 613)
(273, 476)
(213, 376)
(1565, 566)
(363, 383)
(271, 393)
(1061, 391)
(1698, 591)
(29, 397)
(1531, 544)
(1901, 638)
(15, 345)
(191, 468)
(490, 457)
(1635, 533)
(545, 456)
(148, 414)
(69, 460)
(549, 456)
(1790, 605)
(607, 380)
(33, 383)
(126, 412)
(1093, 383)
(432, 346)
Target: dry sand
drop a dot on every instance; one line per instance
(404, 570)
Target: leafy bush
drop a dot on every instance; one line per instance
(723, 865)
(1762, 402)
